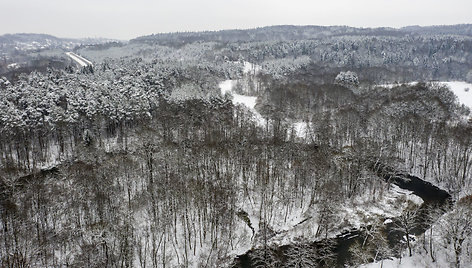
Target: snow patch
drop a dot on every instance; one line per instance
(395, 263)
(226, 87)
(247, 101)
(13, 66)
(301, 129)
(397, 84)
(409, 195)
(251, 68)
(462, 91)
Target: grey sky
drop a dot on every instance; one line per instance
(125, 19)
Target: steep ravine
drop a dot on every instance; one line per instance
(431, 195)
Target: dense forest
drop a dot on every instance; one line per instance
(146, 159)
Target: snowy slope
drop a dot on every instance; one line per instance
(422, 260)
(462, 90)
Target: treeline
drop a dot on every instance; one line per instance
(429, 57)
(396, 55)
(289, 32)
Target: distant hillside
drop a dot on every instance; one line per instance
(289, 33)
(26, 52)
(31, 41)
(460, 29)
(26, 37)
(272, 33)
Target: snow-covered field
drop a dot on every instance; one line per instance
(226, 87)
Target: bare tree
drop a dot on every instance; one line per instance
(374, 246)
(406, 223)
(456, 228)
(301, 255)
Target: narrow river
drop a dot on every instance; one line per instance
(431, 195)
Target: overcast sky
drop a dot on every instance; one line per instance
(125, 19)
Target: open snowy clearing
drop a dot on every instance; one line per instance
(462, 90)
(226, 87)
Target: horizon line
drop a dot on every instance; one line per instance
(242, 29)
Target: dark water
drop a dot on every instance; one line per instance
(431, 195)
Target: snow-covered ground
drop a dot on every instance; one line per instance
(13, 66)
(396, 84)
(443, 258)
(462, 90)
(226, 87)
(251, 68)
(301, 129)
(406, 262)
